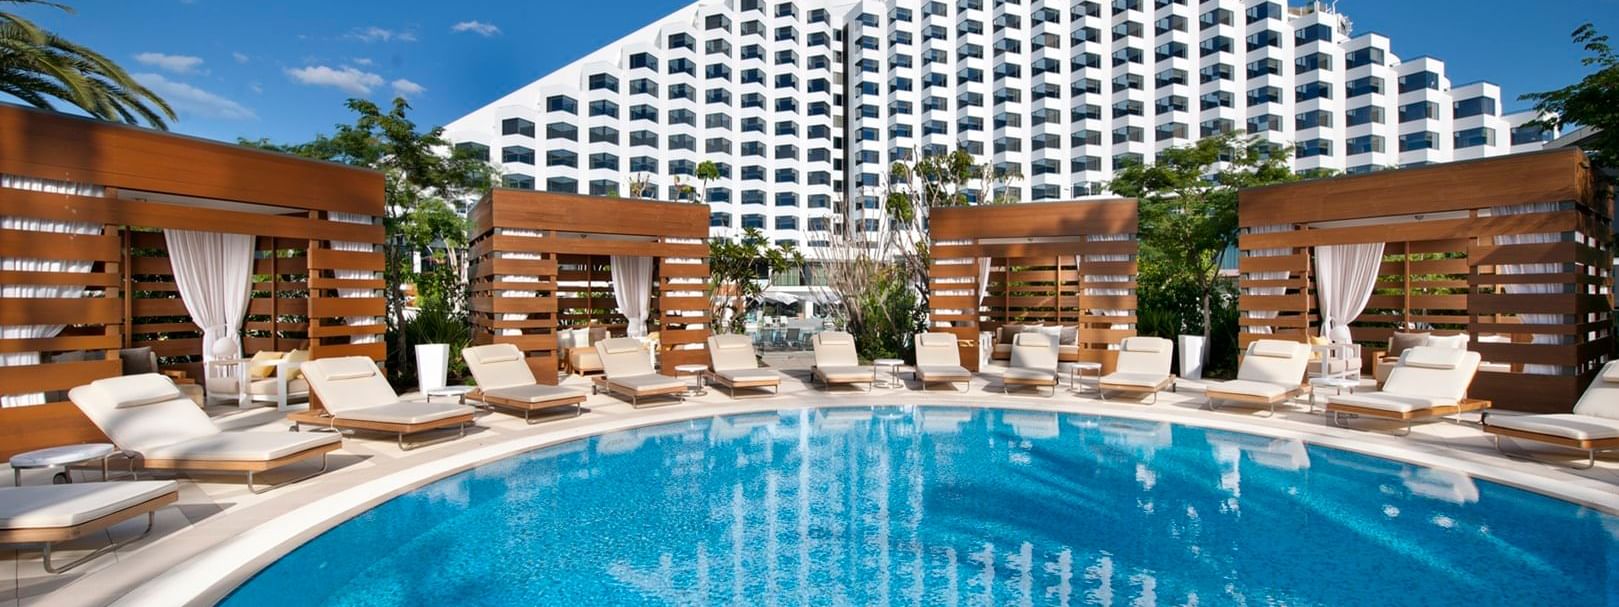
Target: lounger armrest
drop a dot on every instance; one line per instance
(178, 376)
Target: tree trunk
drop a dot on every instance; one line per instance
(1207, 323)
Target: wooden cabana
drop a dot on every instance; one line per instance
(1070, 264)
(1514, 251)
(542, 263)
(86, 271)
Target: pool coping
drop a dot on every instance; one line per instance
(210, 575)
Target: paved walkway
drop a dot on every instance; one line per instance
(213, 510)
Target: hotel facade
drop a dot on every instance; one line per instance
(802, 106)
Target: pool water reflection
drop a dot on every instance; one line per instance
(951, 506)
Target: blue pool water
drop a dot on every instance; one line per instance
(948, 506)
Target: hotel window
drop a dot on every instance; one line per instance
(753, 221)
(603, 107)
(1421, 110)
(1315, 147)
(1210, 128)
(752, 51)
(1261, 12)
(682, 91)
(643, 60)
(719, 194)
(1310, 120)
(717, 47)
(1312, 90)
(1211, 73)
(786, 222)
(643, 164)
(682, 142)
(1085, 163)
(517, 126)
(819, 201)
(753, 100)
(561, 103)
(717, 71)
(1368, 114)
(517, 180)
(1312, 62)
(1530, 133)
(683, 117)
(753, 197)
(717, 22)
(603, 134)
(472, 149)
(518, 154)
(643, 112)
(1364, 144)
(1127, 159)
(603, 187)
(682, 65)
(1217, 99)
(561, 158)
(1264, 123)
(562, 130)
(643, 86)
(819, 178)
(682, 41)
(717, 120)
(786, 199)
(1363, 86)
(1419, 81)
(719, 219)
(1263, 67)
(1164, 78)
(1475, 137)
(682, 167)
(565, 185)
(1365, 56)
(1475, 107)
(1265, 94)
(1419, 141)
(1215, 17)
(717, 145)
(1264, 38)
(643, 138)
(786, 176)
(1312, 33)
(603, 82)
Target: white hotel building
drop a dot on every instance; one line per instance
(804, 104)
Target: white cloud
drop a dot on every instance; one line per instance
(477, 27)
(406, 88)
(362, 61)
(192, 100)
(239, 57)
(380, 34)
(256, 87)
(347, 79)
(179, 64)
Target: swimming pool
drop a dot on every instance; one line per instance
(951, 506)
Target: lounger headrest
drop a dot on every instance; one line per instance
(732, 342)
(1433, 357)
(1031, 339)
(936, 340)
(1144, 344)
(836, 338)
(1274, 348)
(137, 390)
(494, 354)
(1610, 373)
(620, 345)
(1454, 342)
(346, 368)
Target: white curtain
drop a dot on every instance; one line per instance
(34, 264)
(363, 247)
(214, 273)
(1345, 275)
(983, 283)
(1533, 288)
(632, 288)
(1275, 252)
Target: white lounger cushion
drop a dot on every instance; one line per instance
(243, 446)
(1244, 387)
(1395, 403)
(141, 390)
(532, 393)
(834, 349)
(404, 412)
(731, 352)
(648, 383)
(1429, 371)
(846, 374)
(1566, 425)
(1433, 357)
(940, 372)
(498, 366)
(624, 357)
(750, 375)
(349, 383)
(936, 350)
(142, 427)
(1025, 374)
(1156, 381)
(51, 506)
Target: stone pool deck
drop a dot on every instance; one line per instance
(218, 529)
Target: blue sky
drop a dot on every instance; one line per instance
(283, 69)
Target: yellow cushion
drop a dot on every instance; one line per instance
(296, 356)
(260, 367)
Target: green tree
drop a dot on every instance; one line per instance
(738, 269)
(37, 66)
(707, 172)
(1188, 206)
(428, 185)
(941, 180)
(1593, 101)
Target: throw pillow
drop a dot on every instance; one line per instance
(1400, 341)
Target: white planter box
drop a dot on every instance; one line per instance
(1191, 353)
(432, 364)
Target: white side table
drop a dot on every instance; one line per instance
(242, 368)
(64, 457)
(701, 388)
(1339, 385)
(1078, 371)
(457, 392)
(893, 365)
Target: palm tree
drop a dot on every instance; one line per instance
(707, 171)
(36, 66)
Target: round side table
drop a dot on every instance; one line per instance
(1339, 384)
(65, 457)
(457, 392)
(695, 370)
(893, 365)
(1077, 372)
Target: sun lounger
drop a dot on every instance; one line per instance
(1272, 371)
(627, 371)
(1142, 368)
(356, 396)
(50, 514)
(1034, 363)
(505, 381)
(836, 361)
(732, 363)
(1428, 382)
(147, 416)
(938, 361)
(1592, 427)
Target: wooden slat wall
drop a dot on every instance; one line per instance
(150, 174)
(559, 247)
(1033, 276)
(1446, 274)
